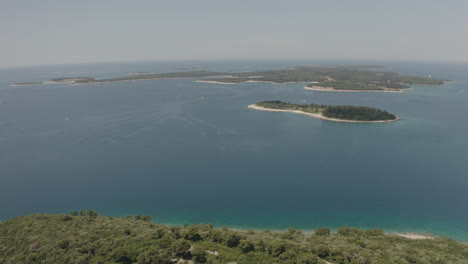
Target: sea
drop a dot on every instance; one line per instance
(187, 152)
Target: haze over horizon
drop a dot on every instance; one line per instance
(62, 32)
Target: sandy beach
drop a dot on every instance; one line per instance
(318, 116)
(202, 81)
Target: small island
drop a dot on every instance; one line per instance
(341, 113)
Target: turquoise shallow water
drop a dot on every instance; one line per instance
(188, 152)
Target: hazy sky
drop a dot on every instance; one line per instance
(63, 31)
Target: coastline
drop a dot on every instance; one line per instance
(410, 235)
(252, 81)
(331, 89)
(400, 234)
(318, 116)
(24, 84)
(202, 81)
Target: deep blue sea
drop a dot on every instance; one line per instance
(188, 152)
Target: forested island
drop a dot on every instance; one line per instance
(332, 78)
(342, 113)
(321, 78)
(86, 237)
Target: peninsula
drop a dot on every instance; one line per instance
(319, 78)
(344, 113)
(333, 78)
(87, 237)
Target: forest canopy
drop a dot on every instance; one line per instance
(344, 112)
(88, 237)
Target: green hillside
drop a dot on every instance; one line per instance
(47, 238)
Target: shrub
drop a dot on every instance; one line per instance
(375, 232)
(64, 244)
(344, 231)
(322, 231)
(91, 213)
(146, 218)
(67, 218)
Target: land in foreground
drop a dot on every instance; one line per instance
(87, 237)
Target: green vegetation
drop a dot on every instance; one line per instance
(308, 108)
(347, 85)
(27, 83)
(359, 113)
(344, 112)
(192, 68)
(186, 74)
(73, 79)
(338, 77)
(91, 238)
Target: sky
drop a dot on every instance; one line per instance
(64, 31)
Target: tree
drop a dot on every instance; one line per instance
(287, 257)
(154, 255)
(181, 249)
(307, 259)
(246, 246)
(216, 235)
(192, 233)
(232, 240)
(277, 248)
(322, 251)
(198, 253)
(120, 255)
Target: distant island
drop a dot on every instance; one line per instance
(137, 73)
(87, 237)
(27, 83)
(343, 113)
(318, 78)
(133, 77)
(192, 68)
